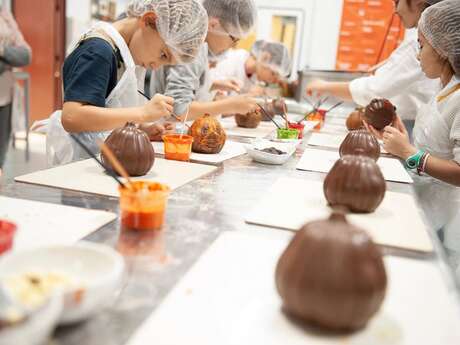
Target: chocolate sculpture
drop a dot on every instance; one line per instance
(250, 120)
(380, 113)
(355, 182)
(332, 275)
(132, 148)
(362, 143)
(208, 135)
(355, 119)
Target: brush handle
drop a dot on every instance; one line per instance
(93, 156)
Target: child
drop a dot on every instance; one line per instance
(267, 63)
(399, 79)
(190, 85)
(104, 74)
(435, 154)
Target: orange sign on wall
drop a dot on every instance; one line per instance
(369, 33)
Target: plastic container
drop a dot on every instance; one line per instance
(143, 207)
(178, 147)
(284, 133)
(7, 232)
(319, 116)
(299, 126)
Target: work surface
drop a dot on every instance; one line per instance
(197, 213)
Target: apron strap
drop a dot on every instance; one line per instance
(119, 42)
(449, 93)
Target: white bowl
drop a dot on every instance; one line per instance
(38, 326)
(254, 152)
(97, 268)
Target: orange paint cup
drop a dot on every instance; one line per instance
(143, 207)
(178, 147)
(319, 116)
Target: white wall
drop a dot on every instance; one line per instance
(321, 31)
(320, 36)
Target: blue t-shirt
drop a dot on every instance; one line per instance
(90, 72)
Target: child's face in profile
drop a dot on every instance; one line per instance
(147, 47)
(431, 62)
(266, 74)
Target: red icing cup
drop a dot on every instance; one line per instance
(7, 232)
(299, 126)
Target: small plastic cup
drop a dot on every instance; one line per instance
(299, 126)
(178, 147)
(319, 116)
(284, 133)
(143, 206)
(7, 232)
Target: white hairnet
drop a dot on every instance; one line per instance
(432, 2)
(440, 24)
(182, 24)
(237, 17)
(273, 54)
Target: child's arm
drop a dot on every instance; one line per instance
(79, 117)
(444, 170)
(228, 106)
(337, 89)
(396, 142)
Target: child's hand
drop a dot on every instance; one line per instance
(156, 131)
(242, 104)
(316, 87)
(232, 85)
(159, 106)
(397, 142)
(378, 134)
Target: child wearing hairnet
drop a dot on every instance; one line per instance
(434, 156)
(190, 85)
(105, 73)
(398, 79)
(267, 63)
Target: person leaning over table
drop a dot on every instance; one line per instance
(105, 72)
(190, 85)
(14, 52)
(435, 153)
(267, 63)
(400, 79)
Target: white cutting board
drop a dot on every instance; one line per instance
(87, 176)
(330, 140)
(323, 161)
(290, 203)
(232, 129)
(229, 298)
(42, 224)
(230, 150)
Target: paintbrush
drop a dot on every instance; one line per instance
(93, 156)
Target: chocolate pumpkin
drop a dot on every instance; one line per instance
(132, 148)
(362, 143)
(355, 119)
(208, 135)
(332, 275)
(355, 182)
(380, 113)
(250, 120)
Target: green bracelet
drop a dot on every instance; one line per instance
(413, 161)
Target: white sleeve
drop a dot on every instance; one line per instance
(400, 72)
(453, 113)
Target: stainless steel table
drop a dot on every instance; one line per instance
(196, 215)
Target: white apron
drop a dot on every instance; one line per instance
(60, 147)
(439, 200)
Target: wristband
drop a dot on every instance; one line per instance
(413, 161)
